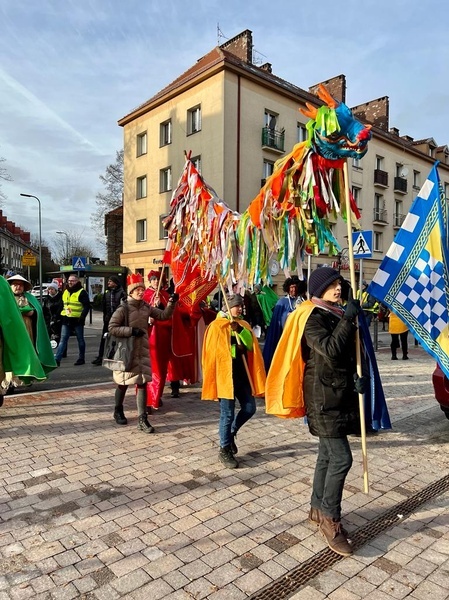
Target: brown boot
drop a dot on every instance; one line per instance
(335, 538)
(315, 516)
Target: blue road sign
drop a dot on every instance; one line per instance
(362, 244)
(79, 263)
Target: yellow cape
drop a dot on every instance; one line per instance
(283, 391)
(217, 362)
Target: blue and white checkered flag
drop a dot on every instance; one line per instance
(412, 279)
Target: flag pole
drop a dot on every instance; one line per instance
(245, 363)
(357, 339)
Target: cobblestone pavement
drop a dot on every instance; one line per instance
(93, 510)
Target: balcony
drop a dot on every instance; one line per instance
(380, 178)
(398, 219)
(273, 139)
(400, 185)
(380, 216)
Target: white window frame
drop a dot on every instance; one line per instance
(196, 160)
(165, 180)
(194, 120)
(166, 133)
(357, 195)
(268, 168)
(301, 132)
(163, 233)
(142, 143)
(141, 187)
(416, 179)
(379, 163)
(141, 230)
(377, 241)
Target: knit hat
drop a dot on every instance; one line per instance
(321, 279)
(232, 300)
(19, 279)
(134, 281)
(53, 285)
(115, 279)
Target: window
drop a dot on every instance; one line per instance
(140, 272)
(165, 180)
(399, 169)
(142, 143)
(268, 167)
(356, 193)
(356, 163)
(377, 241)
(196, 160)
(193, 120)
(416, 180)
(165, 133)
(270, 120)
(141, 230)
(398, 216)
(141, 187)
(378, 202)
(379, 163)
(446, 191)
(163, 234)
(301, 132)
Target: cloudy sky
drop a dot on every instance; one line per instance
(70, 69)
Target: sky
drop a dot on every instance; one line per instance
(69, 70)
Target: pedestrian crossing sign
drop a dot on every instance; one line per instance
(79, 263)
(362, 244)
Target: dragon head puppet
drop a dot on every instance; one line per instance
(333, 131)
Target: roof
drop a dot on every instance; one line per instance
(220, 57)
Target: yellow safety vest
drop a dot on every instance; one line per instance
(364, 300)
(72, 306)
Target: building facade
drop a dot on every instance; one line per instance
(236, 119)
(14, 243)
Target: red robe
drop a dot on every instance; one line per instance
(171, 349)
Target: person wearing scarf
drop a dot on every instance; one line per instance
(229, 340)
(313, 373)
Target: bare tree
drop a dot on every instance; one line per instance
(112, 197)
(70, 244)
(5, 176)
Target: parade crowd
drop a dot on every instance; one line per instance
(307, 368)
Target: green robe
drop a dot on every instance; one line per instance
(17, 351)
(267, 299)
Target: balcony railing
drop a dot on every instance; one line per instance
(273, 138)
(380, 215)
(380, 178)
(400, 185)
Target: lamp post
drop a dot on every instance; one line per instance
(40, 243)
(66, 243)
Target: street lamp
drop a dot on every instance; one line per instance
(66, 243)
(40, 243)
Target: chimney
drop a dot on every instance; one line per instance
(375, 112)
(336, 86)
(241, 46)
(394, 131)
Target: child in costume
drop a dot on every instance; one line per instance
(229, 342)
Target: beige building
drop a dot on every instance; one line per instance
(237, 118)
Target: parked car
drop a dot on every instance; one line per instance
(441, 388)
(36, 290)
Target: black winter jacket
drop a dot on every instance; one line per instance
(111, 301)
(328, 347)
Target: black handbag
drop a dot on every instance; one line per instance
(118, 350)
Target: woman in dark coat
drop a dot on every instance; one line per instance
(331, 399)
(139, 373)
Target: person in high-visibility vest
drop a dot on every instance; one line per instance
(76, 308)
(370, 305)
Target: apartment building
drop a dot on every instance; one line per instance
(14, 243)
(237, 118)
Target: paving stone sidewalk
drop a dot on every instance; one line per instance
(92, 510)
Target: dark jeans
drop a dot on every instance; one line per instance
(403, 343)
(66, 332)
(103, 339)
(229, 422)
(332, 465)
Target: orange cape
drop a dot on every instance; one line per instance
(283, 391)
(217, 362)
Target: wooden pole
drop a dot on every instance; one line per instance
(358, 352)
(245, 363)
